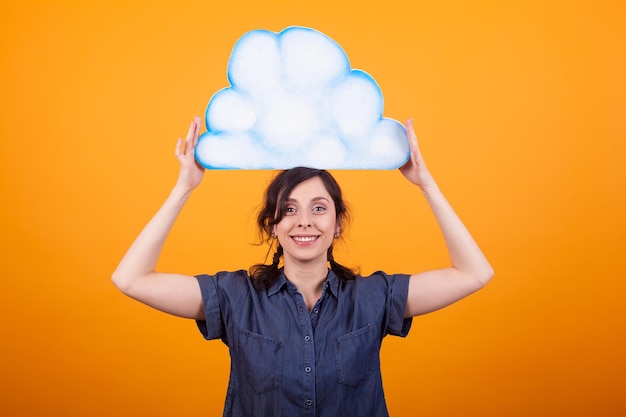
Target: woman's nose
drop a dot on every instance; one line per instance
(304, 221)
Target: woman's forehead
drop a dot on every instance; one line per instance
(311, 189)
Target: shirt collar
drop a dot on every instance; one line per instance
(277, 285)
(331, 282)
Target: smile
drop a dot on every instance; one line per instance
(304, 239)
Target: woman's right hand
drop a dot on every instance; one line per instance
(191, 172)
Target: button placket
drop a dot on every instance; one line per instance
(306, 326)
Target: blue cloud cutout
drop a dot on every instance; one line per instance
(293, 100)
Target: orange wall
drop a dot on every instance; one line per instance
(520, 111)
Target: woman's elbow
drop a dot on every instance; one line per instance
(121, 281)
(484, 276)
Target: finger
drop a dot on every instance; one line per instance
(191, 134)
(198, 121)
(179, 148)
(414, 144)
(192, 129)
(411, 130)
(412, 137)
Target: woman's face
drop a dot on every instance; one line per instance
(307, 229)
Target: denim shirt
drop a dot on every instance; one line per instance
(287, 361)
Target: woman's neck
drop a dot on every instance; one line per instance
(308, 279)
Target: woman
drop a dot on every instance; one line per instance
(304, 339)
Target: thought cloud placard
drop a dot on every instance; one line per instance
(294, 100)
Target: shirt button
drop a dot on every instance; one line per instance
(307, 369)
(309, 403)
(307, 337)
(316, 310)
(300, 308)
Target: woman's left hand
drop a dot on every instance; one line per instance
(415, 169)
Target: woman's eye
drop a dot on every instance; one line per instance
(319, 209)
(290, 210)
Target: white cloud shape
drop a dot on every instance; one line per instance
(295, 101)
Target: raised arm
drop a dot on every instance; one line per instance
(469, 270)
(135, 275)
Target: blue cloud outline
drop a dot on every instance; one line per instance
(224, 142)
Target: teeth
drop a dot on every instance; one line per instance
(304, 238)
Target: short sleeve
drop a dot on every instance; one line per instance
(397, 325)
(211, 326)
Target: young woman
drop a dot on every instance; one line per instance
(304, 338)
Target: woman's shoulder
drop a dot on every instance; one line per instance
(225, 275)
(237, 278)
(380, 276)
(235, 286)
(378, 281)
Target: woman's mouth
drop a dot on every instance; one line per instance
(303, 240)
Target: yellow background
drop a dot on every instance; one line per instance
(520, 110)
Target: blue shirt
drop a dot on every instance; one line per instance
(287, 361)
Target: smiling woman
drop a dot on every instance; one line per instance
(304, 339)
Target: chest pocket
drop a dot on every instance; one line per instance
(356, 355)
(260, 360)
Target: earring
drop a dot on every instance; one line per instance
(337, 234)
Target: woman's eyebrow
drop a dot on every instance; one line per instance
(295, 200)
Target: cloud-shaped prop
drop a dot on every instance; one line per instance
(295, 101)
